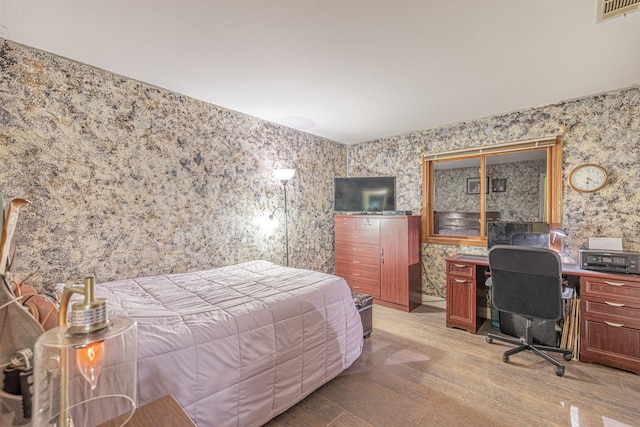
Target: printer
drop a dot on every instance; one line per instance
(610, 261)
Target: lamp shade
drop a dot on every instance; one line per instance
(86, 379)
(85, 372)
(558, 232)
(284, 174)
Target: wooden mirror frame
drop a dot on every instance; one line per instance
(553, 146)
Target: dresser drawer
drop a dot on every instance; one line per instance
(461, 268)
(370, 237)
(358, 262)
(345, 225)
(366, 272)
(357, 223)
(349, 250)
(619, 289)
(364, 288)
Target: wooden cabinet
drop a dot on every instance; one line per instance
(464, 280)
(610, 321)
(380, 256)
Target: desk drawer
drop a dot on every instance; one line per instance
(605, 289)
(610, 308)
(617, 346)
(461, 268)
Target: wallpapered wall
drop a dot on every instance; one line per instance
(127, 179)
(603, 129)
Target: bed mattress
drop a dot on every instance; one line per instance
(238, 345)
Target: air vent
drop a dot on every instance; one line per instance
(610, 8)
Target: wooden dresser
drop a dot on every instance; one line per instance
(379, 255)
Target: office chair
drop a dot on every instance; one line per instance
(527, 281)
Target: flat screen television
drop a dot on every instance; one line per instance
(365, 194)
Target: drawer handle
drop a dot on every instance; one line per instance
(460, 281)
(616, 325)
(355, 274)
(356, 287)
(614, 304)
(356, 262)
(613, 283)
(460, 265)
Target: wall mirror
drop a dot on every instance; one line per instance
(514, 181)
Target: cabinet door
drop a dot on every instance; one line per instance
(394, 286)
(461, 303)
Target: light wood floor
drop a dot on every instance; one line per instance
(415, 372)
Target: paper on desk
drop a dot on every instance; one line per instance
(608, 243)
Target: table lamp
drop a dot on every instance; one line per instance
(85, 371)
(558, 232)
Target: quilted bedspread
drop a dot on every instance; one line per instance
(238, 345)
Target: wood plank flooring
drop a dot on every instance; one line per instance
(416, 372)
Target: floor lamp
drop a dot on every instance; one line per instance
(284, 175)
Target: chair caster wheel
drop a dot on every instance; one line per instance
(559, 371)
(489, 340)
(567, 357)
(505, 358)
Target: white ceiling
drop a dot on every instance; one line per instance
(347, 70)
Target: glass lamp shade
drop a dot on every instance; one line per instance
(284, 174)
(85, 379)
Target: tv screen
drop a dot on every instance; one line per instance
(365, 194)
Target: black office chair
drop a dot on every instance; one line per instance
(527, 281)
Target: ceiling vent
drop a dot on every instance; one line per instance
(611, 8)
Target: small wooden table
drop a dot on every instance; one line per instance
(163, 412)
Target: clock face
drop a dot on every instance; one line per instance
(588, 178)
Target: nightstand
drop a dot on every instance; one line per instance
(163, 412)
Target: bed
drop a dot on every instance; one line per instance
(238, 345)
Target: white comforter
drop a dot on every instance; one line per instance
(238, 345)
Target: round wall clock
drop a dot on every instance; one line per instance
(588, 178)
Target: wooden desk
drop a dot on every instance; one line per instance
(609, 308)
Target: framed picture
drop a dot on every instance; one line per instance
(499, 185)
(473, 186)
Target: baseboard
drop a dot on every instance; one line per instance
(434, 301)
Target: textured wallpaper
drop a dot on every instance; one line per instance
(127, 179)
(602, 129)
